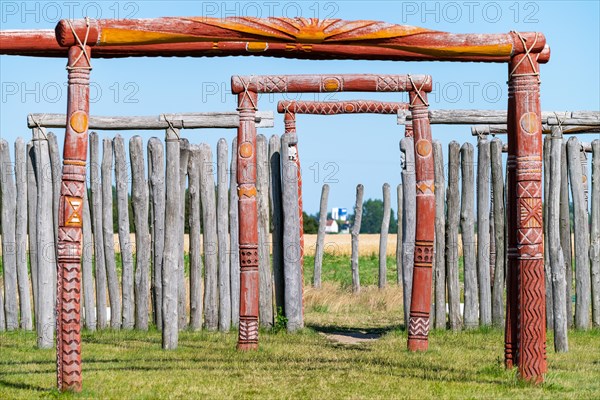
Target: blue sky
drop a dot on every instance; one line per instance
(340, 150)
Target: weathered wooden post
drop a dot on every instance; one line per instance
(440, 239)
(467, 224)
(139, 206)
(595, 233)
(156, 190)
(355, 231)
(565, 230)
(21, 234)
(234, 237)
(452, 223)
(100, 265)
(277, 220)
(32, 189)
(222, 214)
(292, 267)
(114, 295)
(383, 236)
(409, 220)
(122, 186)
(9, 255)
(320, 237)
(209, 236)
(196, 281)
(556, 261)
(547, 267)
(400, 202)
(184, 154)
(483, 232)
(582, 237)
(68, 339)
(499, 233)
(87, 274)
(170, 263)
(265, 275)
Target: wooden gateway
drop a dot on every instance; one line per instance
(79, 40)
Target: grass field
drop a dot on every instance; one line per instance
(308, 364)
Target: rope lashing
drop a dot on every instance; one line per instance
(81, 45)
(527, 56)
(246, 86)
(417, 91)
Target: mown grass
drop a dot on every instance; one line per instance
(465, 365)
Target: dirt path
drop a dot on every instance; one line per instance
(351, 338)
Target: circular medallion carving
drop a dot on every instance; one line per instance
(246, 150)
(530, 123)
(331, 84)
(79, 121)
(349, 108)
(423, 147)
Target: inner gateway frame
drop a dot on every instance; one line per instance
(308, 39)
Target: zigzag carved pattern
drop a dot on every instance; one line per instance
(248, 330)
(418, 327)
(342, 107)
(273, 84)
(532, 358)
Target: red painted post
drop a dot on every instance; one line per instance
(248, 221)
(420, 306)
(526, 256)
(68, 335)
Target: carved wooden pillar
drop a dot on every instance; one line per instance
(248, 225)
(68, 335)
(526, 326)
(420, 306)
(289, 120)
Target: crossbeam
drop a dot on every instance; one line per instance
(264, 119)
(475, 117)
(479, 130)
(279, 37)
(341, 107)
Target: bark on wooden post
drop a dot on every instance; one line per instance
(100, 264)
(9, 255)
(248, 215)
(72, 188)
(452, 223)
(291, 220)
(547, 266)
(209, 237)
(565, 230)
(499, 233)
(440, 239)
(354, 232)
(483, 232)
(170, 263)
(265, 311)
(21, 234)
(581, 231)
(156, 177)
(234, 238)
(399, 194)
(383, 236)
(181, 289)
(320, 237)
(114, 294)
(32, 190)
(275, 163)
(467, 222)
(139, 206)
(223, 238)
(196, 281)
(87, 270)
(122, 189)
(555, 251)
(409, 221)
(595, 233)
